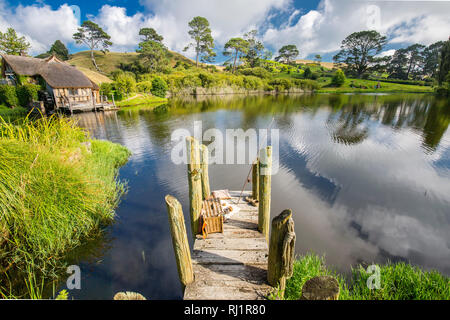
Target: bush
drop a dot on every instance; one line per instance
(257, 72)
(159, 87)
(281, 84)
(8, 96)
(339, 78)
(27, 93)
(207, 79)
(144, 86)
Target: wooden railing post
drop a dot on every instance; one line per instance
(265, 179)
(180, 241)
(204, 154)
(281, 250)
(255, 180)
(195, 183)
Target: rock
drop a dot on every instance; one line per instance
(128, 296)
(320, 288)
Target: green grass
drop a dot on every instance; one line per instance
(142, 100)
(370, 84)
(111, 61)
(9, 114)
(58, 188)
(398, 281)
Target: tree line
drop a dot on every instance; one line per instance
(359, 55)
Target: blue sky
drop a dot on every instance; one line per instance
(315, 26)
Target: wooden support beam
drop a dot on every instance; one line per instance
(265, 180)
(180, 241)
(195, 183)
(204, 154)
(281, 250)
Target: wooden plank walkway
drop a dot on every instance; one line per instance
(231, 265)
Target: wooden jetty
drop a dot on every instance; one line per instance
(233, 264)
(240, 263)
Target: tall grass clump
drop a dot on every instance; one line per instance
(57, 188)
(398, 281)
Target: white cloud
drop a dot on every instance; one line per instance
(41, 25)
(322, 30)
(227, 18)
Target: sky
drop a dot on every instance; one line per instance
(315, 26)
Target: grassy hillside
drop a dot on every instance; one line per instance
(110, 61)
(95, 76)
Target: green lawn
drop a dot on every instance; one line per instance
(142, 100)
(370, 86)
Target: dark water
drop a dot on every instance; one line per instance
(367, 177)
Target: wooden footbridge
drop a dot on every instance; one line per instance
(239, 263)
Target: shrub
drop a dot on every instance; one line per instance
(8, 96)
(339, 78)
(27, 93)
(159, 87)
(106, 88)
(257, 72)
(281, 84)
(207, 79)
(144, 86)
(125, 83)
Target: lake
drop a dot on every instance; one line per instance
(367, 178)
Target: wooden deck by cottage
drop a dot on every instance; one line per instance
(231, 265)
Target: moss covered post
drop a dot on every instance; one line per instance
(195, 183)
(204, 154)
(179, 241)
(265, 180)
(255, 180)
(281, 250)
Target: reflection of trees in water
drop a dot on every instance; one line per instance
(350, 116)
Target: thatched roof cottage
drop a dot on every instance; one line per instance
(69, 87)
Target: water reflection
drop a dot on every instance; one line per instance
(368, 179)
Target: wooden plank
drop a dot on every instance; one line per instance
(212, 256)
(234, 234)
(224, 293)
(231, 265)
(232, 272)
(231, 244)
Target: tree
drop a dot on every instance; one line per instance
(397, 65)
(318, 58)
(358, 52)
(338, 79)
(124, 83)
(59, 50)
(414, 54)
(203, 41)
(444, 62)
(92, 35)
(153, 54)
(159, 87)
(255, 49)
(235, 47)
(11, 43)
(431, 56)
(287, 53)
(307, 73)
(150, 34)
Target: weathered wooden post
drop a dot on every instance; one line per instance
(265, 179)
(204, 154)
(180, 241)
(195, 183)
(281, 250)
(255, 180)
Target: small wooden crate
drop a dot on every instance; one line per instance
(211, 217)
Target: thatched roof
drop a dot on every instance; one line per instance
(55, 72)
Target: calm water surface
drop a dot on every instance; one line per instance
(367, 177)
